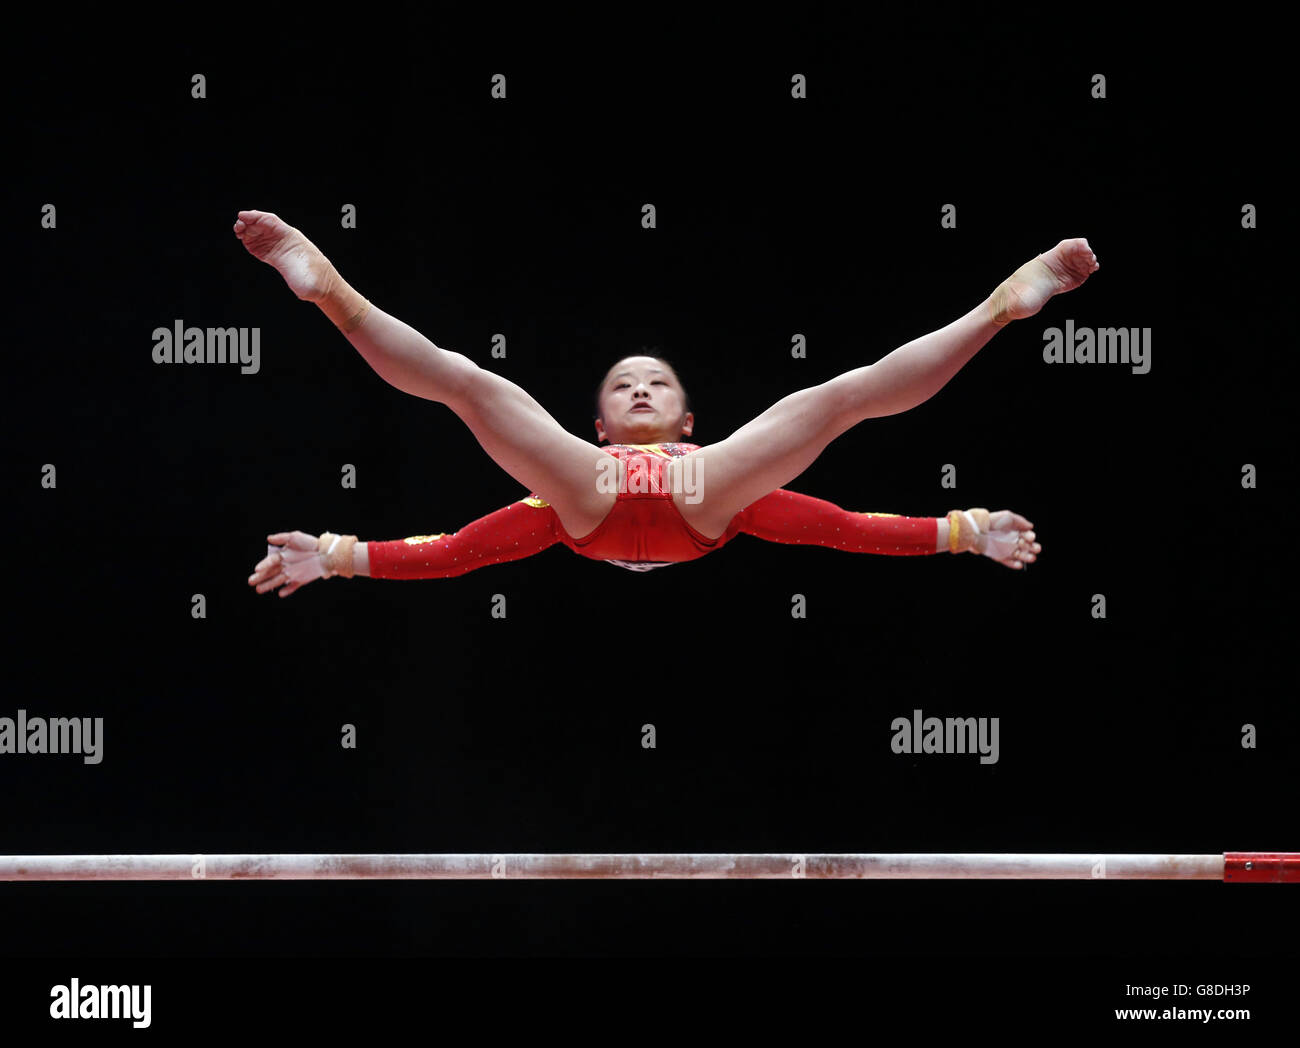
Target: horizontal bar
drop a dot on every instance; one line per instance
(633, 866)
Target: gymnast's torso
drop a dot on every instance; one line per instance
(645, 529)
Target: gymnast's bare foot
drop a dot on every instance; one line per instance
(305, 269)
(1027, 290)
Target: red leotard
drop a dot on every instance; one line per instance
(646, 530)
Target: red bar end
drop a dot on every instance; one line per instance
(1270, 867)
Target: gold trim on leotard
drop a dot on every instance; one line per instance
(654, 449)
(535, 502)
(416, 540)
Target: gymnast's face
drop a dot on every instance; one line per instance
(642, 402)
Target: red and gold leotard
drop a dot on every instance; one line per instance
(645, 529)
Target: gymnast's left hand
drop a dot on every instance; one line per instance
(1010, 540)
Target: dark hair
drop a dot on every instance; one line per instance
(647, 351)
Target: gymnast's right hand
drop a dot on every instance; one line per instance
(292, 557)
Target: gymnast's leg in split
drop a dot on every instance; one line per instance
(785, 440)
(513, 428)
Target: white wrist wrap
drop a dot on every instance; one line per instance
(970, 531)
(304, 565)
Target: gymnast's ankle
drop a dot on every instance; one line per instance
(344, 305)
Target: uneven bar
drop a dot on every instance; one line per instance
(1269, 866)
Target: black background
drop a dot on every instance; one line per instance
(478, 216)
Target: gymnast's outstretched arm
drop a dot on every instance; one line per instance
(790, 517)
(294, 558)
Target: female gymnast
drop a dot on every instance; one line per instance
(648, 500)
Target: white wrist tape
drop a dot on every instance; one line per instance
(303, 565)
(971, 531)
(325, 557)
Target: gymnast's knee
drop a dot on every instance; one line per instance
(468, 386)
